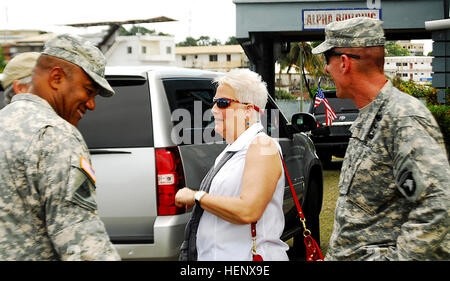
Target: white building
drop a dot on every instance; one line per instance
(14, 42)
(417, 68)
(413, 48)
(215, 58)
(141, 49)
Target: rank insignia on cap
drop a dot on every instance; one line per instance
(86, 166)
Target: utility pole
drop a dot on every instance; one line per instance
(301, 77)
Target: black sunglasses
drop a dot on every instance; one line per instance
(331, 53)
(225, 102)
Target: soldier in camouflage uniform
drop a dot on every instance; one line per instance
(47, 185)
(17, 74)
(394, 184)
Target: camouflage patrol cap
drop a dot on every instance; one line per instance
(19, 67)
(356, 32)
(83, 53)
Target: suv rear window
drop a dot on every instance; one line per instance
(195, 96)
(123, 120)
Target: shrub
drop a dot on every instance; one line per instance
(440, 112)
(284, 95)
(315, 88)
(416, 90)
(442, 115)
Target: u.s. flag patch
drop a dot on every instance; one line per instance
(86, 166)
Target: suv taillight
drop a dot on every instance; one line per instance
(169, 179)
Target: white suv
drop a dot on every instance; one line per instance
(154, 136)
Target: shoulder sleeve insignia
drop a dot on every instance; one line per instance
(407, 184)
(87, 168)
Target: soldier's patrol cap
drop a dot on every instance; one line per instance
(83, 53)
(356, 32)
(19, 67)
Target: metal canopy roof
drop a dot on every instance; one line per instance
(151, 20)
(284, 18)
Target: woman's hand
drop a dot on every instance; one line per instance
(185, 198)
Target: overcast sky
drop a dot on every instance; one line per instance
(214, 18)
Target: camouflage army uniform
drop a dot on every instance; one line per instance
(47, 200)
(394, 187)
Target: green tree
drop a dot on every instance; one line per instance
(123, 31)
(215, 42)
(190, 41)
(135, 29)
(315, 43)
(204, 41)
(284, 95)
(232, 41)
(201, 41)
(441, 112)
(395, 50)
(2, 60)
(301, 55)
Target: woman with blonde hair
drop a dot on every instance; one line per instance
(246, 184)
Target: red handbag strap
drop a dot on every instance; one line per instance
(313, 252)
(255, 255)
(297, 204)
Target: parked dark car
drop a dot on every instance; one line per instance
(333, 140)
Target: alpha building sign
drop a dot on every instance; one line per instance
(317, 19)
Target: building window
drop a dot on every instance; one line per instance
(228, 57)
(398, 64)
(212, 57)
(144, 49)
(405, 64)
(195, 57)
(129, 50)
(183, 58)
(168, 50)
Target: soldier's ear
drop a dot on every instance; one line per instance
(20, 88)
(55, 77)
(346, 64)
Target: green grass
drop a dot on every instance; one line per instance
(330, 195)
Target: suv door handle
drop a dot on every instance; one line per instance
(105, 151)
